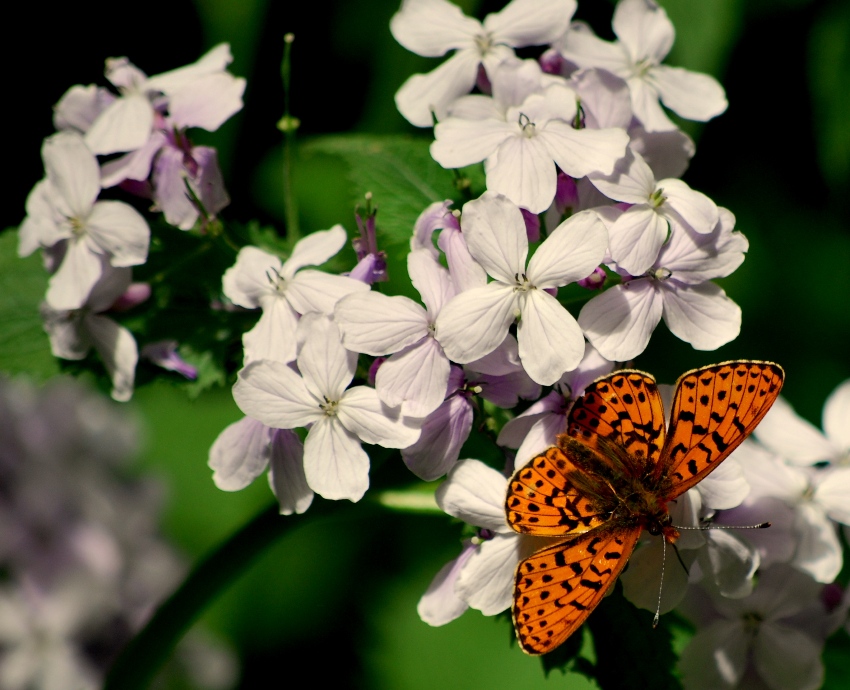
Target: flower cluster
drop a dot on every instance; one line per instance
(83, 564)
(90, 244)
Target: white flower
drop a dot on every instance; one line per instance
(335, 465)
(476, 322)
(284, 291)
(620, 321)
(63, 209)
(646, 36)
(433, 27)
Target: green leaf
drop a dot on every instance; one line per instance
(24, 347)
(836, 659)
(630, 653)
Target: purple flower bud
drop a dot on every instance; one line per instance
(595, 280)
(532, 225)
(164, 354)
(373, 370)
(135, 294)
(371, 263)
(552, 62)
(482, 81)
(551, 290)
(831, 596)
(566, 193)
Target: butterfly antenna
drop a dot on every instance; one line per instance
(661, 583)
(702, 528)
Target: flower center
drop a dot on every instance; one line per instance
(484, 43)
(78, 226)
(522, 284)
(641, 68)
(527, 126)
(752, 620)
(276, 280)
(657, 198)
(329, 407)
(660, 274)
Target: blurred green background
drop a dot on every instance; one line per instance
(779, 159)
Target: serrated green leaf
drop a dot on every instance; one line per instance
(210, 371)
(24, 347)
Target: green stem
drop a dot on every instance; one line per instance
(145, 654)
(288, 124)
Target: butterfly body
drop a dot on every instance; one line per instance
(613, 475)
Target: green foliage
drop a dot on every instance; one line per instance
(24, 347)
(836, 659)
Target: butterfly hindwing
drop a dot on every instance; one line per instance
(542, 501)
(625, 408)
(558, 587)
(714, 409)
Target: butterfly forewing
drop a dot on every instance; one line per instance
(557, 588)
(624, 408)
(542, 501)
(714, 409)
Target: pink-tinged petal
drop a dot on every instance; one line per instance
(792, 437)
(315, 291)
(580, 46)
(443, 434)
(79, 107)
(275, 395)
(686, 206)
(550, 340)
(701, 315)
(507, 390)
(495, 234)
(768, 475)
(502, 361)
(726, 487)
(252, 276)
(788, 659)
(121, 230)
(542, 434)
(432, 27)
(124, 125)
(593, 365)
(335, 465)
(475, 107)
(378, 324)
(691, 95)
(440, 605)
(135, 165)
(694, 258)
(775, 544)
(475, 322)
(240, 454)
(631, 181)
(214, 60)
(463, 142)
(424, 94)
(431, 280)
(163, 353)
(286, 473)
(465, 271)
(730, 563)
(530, 23)
(818, 550)
(169, 179)
(620, 321)
(636, 237)
(604, 98)
(117, 349)
(208, 102)
(39, 228)
(273, 337)
(579, 152)
(327, 367)
(72, 171)
(832, 494)
(436, 217)
(124, 74)
(110, 289)
(475, 493)
(415, 376)
(208, 182)
(642, 580)
(836, 417)
(523, 171)
(486, 582)
(646, 107)
(315, 249)
(68, 338)
(363, 413)
(716, 657)
(667, 153)
(572, 251)
(516, 429)
(70, 286)
(644, 29)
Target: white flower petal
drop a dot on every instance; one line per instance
(463, 142)
(327, 367)
(523, 171)
(378, 324)
(581, 46)
(636, 237)
(335, 465)
(416, 376)
(701, 315)
(691, 95)
(72, 171)
(286, 473)
(836, 417)
(642, 580)
(275, 395)
(631, 180)
(579, 152)
(792, 437)
(604, 98)
(687, 206)
(465, 271)
(315, 291)
(120, 230)
(361, 412)
(833, 492)
(68, 337)
(423, 94)
(80, 269)
(516, 429)
(530, 22)
(550, 340)
(240, 454)
(716, 657)
(620, 321)
(207, 102)
(644, 28)
(646, 107)
(431, 27)
(667, 153)
(273, 336)
(726, 487)
(729, 562)
(476, 322)
(315, 249)
(443, 434)
(431, 280)
(788, 659)
(819, 549)
(542, 435)
(117, 348)
(475, 493)
(124, 125)
(486, 582)
(251, 277)
(495, 234)
(440, 604)
(570, 253)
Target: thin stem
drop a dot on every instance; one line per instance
(288, 125)
(145, 654)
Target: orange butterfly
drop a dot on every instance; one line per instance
(612, 475)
